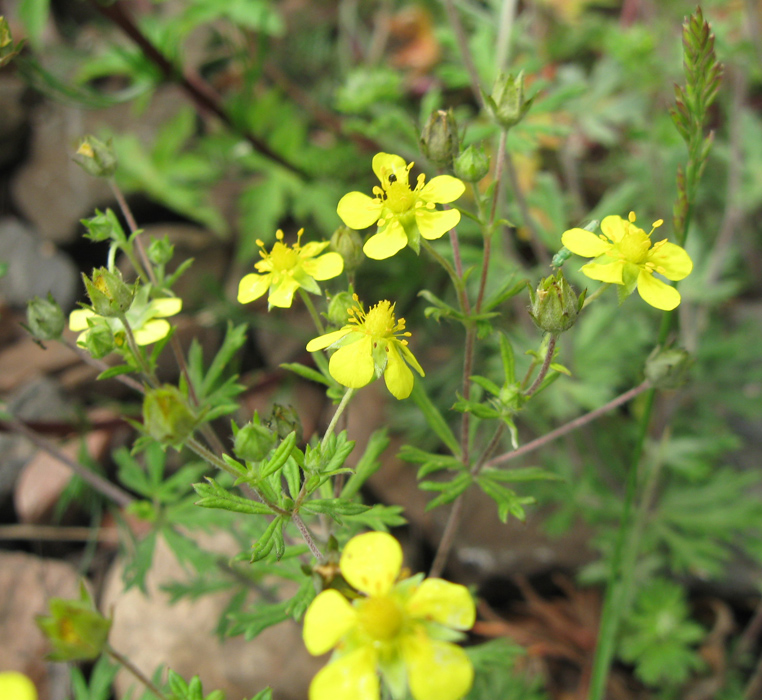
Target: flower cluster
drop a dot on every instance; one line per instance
(402, 214)
(371, 344)
(624, 254)
(402, 629)
(287, 268)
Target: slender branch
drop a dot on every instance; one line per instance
(448, 537)
(569, 427)
(307, 536)
(198, 90)
(505, 28)
(103, 486)
(545, 366)
(100, 365)
(135, 671)
(465, 52)
(312, 310)
(53, 533)
(339, 410)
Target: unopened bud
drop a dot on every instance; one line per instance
(284, 420)
(348, 243)
(507, 104)
(45, 318)
(95, 157)
(108, 292)
(667, 368)
(160, 251)
(472, 165)
(104, 227)
(555, 305)
(75, 629)
(439, 140)
(253, 442)
(338, 308)
(167, 417)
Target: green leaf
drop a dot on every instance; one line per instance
(508, 502)
(378, 517)
(486, 384)
(281, 454)
(34, 15)
(434, 418)
(293, 476)
(215, 496)
(507, 291)
(117, 371)
(306, 372)
(266, 542)
(449, 490)
(368, 464)
(508, 359)
(519, 475)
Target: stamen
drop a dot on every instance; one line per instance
(631, 217)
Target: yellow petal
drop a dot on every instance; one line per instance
(384, 164)
(351, 677)
(670, 260)
(614, 227)
(78, 319)
(605, 272)
(657, 293)
(434, 224)
(442, 189)
(372, 562)
(16, 686)
(151, 332)
(584, 243)
(169, 306)
(397, 375)
(405, 350)
(387, 242)
(313, 248)
(359, 211)
(282, 294)
(436, 670)
(449, 604)
(352, 365)
(253, 286)
(325, 267)
(327, 620)
(328, 339)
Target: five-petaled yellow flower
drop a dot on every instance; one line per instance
(371, 344)
(625, 255)
(286, 268)
(402, 629)
(402, 215)
(145, 316)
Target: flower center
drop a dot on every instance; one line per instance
(399, 197)
(283, 257)
(380, 618)
(379, 321)
(634, 246)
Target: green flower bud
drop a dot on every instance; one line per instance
(439, 140)
(348, 243)
(507, 104)
(253, 442)
(45, 318)
(555, 304)
(667, 368)
(167, 418)
(95, 157)
(104, 227)
(100, 341)
(75, 629)
(108, 292)
(472, 165)
(285, 420)
(160, 251)
(338, 308)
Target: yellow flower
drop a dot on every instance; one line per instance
(402, 629)
(625, 255)
(16, 686)
(403, 215)
(371, 344)
(146, 318)
(285, 268)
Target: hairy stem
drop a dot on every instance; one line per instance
(339, 410)
(314, 315)
(307, 536)
(545, 366)
(135, 671)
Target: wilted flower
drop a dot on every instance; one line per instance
(625, 255)
(371, 344)
(397, 629)
(286, 268)
(403, 215)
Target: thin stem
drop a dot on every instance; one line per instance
(206, 454)
(505, 29)
(456, 280)
(339, 410)
(307, 536)
(100, 365)
(455, 243)
(145, 269)
(112, 491)
(545, 366)
(135, 671)
(53, 533)
(569, 427)
(590, 299)
(312, 310)
(448, 537)
(465, 52)
(149, 374)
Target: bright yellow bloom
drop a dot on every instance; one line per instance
(146, 318)
(624, 254)
(371, 344)
(285, 268)
(16, 686)
(402, 629)
(402, 215)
